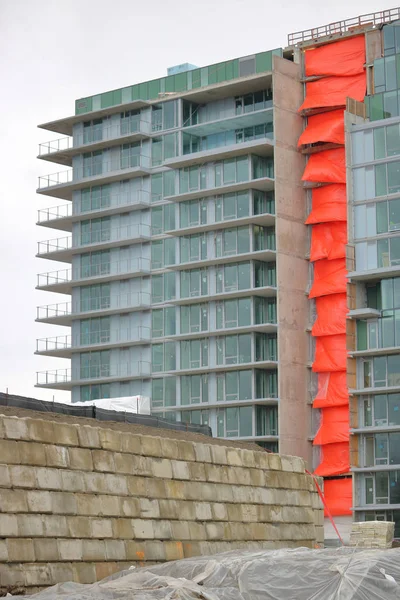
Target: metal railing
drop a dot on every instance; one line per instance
(94, 169)
(79, 207)
(110, 302)
(92, 135)
(50, 311)
(129, 265)
(116, 234)
(95, 338)
(101, 372)
(341, 27)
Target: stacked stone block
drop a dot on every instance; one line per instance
(80, 502)
(372, 534)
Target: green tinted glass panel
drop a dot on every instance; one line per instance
(170, 83)
(180, 82)
(83, 105)
(144, 91)
(381, 217)
(376, 107)
(135, 92)
(196, 78)
(361, 335)
(212, 73)
(263, 62)
(229, 69)
(106, 99)
(380, 180)
(154, 89)
(221, 72)
(379, 142)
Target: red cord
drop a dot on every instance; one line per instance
(321, 495)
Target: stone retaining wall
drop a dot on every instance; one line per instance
(79, 502)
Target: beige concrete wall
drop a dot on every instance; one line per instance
(80, 502)
(292, 266)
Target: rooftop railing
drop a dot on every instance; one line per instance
(341, 27)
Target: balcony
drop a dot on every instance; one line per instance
(62, 281)
(62, 217)
(263, 146)
(64, 248)
(230, 119)
(63, 183)
(234, 329)
(65, 379)
(94, 138)
(63, 313)
(65, 345)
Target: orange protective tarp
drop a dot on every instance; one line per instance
(330, 353)
(333, 91)
(330, 277)
(334, 426)
(346, 57)
(328, 166)
(338, 496)
(328, 240)
(332, 389)
(325, 127)
(335, 459)
(331, 315)
(329, 204)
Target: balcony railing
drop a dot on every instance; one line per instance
(81, 340)
(110, 302)
(51, 311)
(130, 265)
(101, 372)
(82, 207)
(116, 234)
(98, 133)
(94, 169)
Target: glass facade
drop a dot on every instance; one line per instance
(375, 150)
(174, 292)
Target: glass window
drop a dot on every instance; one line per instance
(393, 171)
(379, 142)
(194, 318)
(194, 389)
(194, 354)
(266, 420)
(394, 486)
(393, 409)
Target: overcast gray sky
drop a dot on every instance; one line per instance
(54, 51)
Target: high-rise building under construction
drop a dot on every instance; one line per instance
(233, 236)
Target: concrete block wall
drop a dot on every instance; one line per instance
(79, 502)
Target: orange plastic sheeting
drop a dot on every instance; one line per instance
(326, 127)
(328, 166)
(334, 426)
(332, 390)
(338, 495)
(346, 57)
(330, 277)
(331, 315)
(335, 459)
(328, 240)
(333, 91)
(330, 353)
(329, 204)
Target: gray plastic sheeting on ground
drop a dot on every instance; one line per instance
(298, 574)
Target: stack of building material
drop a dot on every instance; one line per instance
(372, 534)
